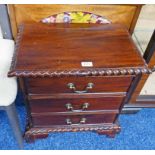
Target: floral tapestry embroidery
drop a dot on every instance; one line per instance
(76, 17)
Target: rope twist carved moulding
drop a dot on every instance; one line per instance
(94, 72)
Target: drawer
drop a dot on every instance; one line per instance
(76, 104)
(78, 84)
(72, 119)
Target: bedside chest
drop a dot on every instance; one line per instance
(75, 77)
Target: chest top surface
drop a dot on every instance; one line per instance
(75, 49)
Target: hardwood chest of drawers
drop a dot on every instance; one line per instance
(75, 77)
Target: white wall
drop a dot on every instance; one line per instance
(1, 36)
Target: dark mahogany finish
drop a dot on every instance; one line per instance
(76, 104)
(59, 85)
(76, 77)
(50, 120)
(59, 49)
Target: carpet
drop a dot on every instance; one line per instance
(138, 133)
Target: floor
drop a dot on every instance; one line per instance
(137, 133)
(142, 34)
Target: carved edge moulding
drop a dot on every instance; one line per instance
(93, 72)
(75, 72)
(34, 133)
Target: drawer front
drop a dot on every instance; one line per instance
(78, 84)
(72, 119)
(67, 105)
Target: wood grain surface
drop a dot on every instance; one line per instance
(60, 85)
(50, 120)
(22, 13)
(60, 47)
(59, 105)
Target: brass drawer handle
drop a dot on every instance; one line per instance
(69, 121)
(73, 88)
(69, 106)
(85, 106)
